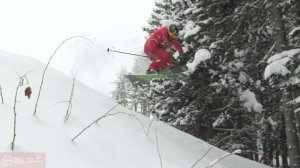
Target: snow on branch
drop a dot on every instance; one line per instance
(278, 63)
(249, 101)
(200, 56)
(190, 29)
(295, 32)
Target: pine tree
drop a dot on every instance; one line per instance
(211, 103)
(120, 94)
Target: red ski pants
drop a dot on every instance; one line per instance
(163, 60)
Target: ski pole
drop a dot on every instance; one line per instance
(109, 50)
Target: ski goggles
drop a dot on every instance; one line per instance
(172, 35)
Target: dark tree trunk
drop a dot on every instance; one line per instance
(278, 25)
(277, 158)
(284, 158)
(283, 145)
(295, 94)
(298, 11)
(290, 130)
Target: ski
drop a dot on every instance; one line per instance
(177, 72)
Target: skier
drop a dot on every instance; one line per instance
(156, 48)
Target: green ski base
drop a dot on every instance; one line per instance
(176, 72)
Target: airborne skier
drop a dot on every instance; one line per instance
(156, 48)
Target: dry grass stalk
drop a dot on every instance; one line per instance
(69, 109)
(157, 148)
(44, 72)
(107, 115)
(213, 146)
(1, 94)
(21, 83)
(222, 157)
(104, 116)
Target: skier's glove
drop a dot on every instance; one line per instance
(151, 57)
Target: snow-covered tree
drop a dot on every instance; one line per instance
(245, 94)
(120, 94)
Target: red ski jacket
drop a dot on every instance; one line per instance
(160, 39)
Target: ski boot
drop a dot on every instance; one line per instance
(151, 71)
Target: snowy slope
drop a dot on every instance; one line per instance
(117, 141)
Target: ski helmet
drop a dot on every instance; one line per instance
(173, 29)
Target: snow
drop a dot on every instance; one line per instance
(200, 56)
(239, 53)
(271, 122)
(297, 110)
(190, 29)
(242, 77)
(250, 102)
(188, 11)
(206, 21)
(278, 62)
(198, 10)
(175, 1)
(288, 54)
(220, 119)
(192, 32)
(114, 141)
(213, 45)
(167, 22)
(296, 29)
(294, 80)
(275, 68)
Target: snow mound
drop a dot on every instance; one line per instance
(117, 140)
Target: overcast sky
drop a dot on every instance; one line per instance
(36, 27)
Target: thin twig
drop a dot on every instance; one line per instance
(15, 117)
(149, 126)
(110, 110)
(157, 147)
(141, 123)
(44, 72)
(223, 157)
(212, 146)
(68, 112)
(103, 116)
(62, 102)
(1, 94)
(21, 79)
